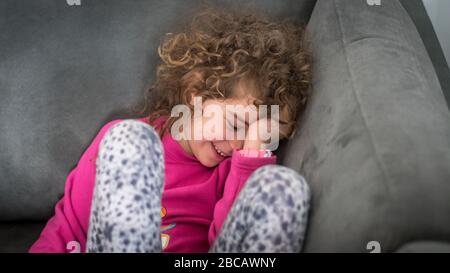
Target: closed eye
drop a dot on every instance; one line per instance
(235, 126)
(232, 125)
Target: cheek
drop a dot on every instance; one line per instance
(195, 146)
(203, 152)
(200, 148)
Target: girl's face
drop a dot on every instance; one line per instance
(214, 146)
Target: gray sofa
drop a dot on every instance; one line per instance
(374, 142)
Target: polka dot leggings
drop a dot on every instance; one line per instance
(269, 215)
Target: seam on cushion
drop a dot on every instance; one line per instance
(372, 144)
(371, 38)
(419, 241)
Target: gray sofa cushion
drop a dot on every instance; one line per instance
(65, 71)
(374, 142)
(18, 237)
(425, 247)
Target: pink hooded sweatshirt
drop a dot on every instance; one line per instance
(195, 201)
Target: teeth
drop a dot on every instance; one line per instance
(219, 151)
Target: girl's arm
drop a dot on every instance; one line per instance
(66, 230)
(58, 231)
(243, 164)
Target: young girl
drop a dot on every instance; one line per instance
(140, 187)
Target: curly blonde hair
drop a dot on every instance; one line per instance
(221, 46)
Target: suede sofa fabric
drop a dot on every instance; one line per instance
(374, 143)
(67, 70)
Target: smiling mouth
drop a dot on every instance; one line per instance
(220, 152)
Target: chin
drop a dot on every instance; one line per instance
(208, 162)
(210, 165)
(203, 154)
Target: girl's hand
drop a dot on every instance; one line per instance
(255, 141)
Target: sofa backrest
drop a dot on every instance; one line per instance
(67, 70)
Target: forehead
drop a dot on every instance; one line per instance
(240, 108)
(241, 105)
(244, 94)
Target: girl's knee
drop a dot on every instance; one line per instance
(130, 152)
(132, 130)
(283, 182)
(131, 134)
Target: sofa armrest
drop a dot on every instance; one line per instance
(374, 141)
(418, 13)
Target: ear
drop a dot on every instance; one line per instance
(288, 125)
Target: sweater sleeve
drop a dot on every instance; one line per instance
(58, 230)
(241, 169)
(66, 230)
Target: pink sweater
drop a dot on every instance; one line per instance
(195, 202)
